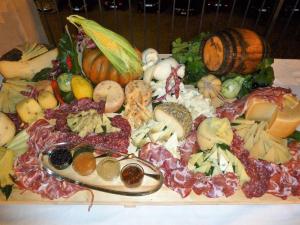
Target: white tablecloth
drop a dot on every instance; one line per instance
(151, 215)
(288, 75)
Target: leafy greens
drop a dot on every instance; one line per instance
(188, 53)
(6, 190)
(67, 56)
(262, 78)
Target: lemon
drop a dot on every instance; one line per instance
(81, 87)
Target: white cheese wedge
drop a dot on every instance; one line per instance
(223, 163)
(156, 136)
(229, 168)
(172, 146)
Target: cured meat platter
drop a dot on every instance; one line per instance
(97, 121)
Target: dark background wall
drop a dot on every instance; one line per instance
(156, 23)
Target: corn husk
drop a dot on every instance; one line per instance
(116, 48)
(30, 51)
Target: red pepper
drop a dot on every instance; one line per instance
(69, 62)
(56, 91)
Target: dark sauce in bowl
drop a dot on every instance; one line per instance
(132, 175)
(60, 158)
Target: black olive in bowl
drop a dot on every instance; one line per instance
(60, 158)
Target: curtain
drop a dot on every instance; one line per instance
(19, 23)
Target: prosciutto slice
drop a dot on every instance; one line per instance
(216, 186)
(270, 94)
(28, 171)
(180, 179)
(232, 110)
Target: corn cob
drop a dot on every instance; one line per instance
(116, 48)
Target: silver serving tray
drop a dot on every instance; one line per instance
(151, 183)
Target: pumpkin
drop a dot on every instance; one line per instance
(98, 68)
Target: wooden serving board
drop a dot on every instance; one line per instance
(164, 196)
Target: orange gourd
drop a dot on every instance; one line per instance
(98, 68)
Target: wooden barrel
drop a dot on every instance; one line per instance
(233, 50)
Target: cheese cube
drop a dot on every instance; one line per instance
(29, 110)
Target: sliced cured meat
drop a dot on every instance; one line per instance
(118, 141)
(220, 187)
(216, 186)
(176, 181)
(76, 106)
(285, 180)
(271, 94)
(294, 170)
(178, 178)
(202, 184)
(259, 171)
(28, 171)
(188, 147)
(238, 107)
(197, 121)
(155, 154)
(232, 183)
(278, 180)
(20, 125)
(294, 147)
(232, 110)
(280, 184)
(260, 176)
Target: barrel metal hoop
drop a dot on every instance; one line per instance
(234, 49)
(226, 54)
(240, 68)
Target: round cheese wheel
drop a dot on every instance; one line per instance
(112, 93)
